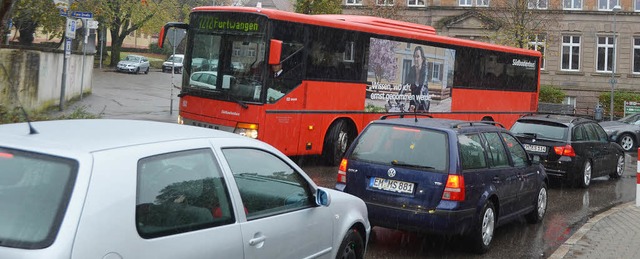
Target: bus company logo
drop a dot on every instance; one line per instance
(184, 103)
(230, 113)
(523, 63)
(291, 99)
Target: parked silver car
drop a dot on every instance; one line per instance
(133, 64)
(106, 189)
(625, 131)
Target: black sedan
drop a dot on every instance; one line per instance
(625, 131)
(571, 148)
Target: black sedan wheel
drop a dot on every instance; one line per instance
(619, 170)
(584, 178)
(627, 142)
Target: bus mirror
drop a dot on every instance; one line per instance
(165, 29)
(275, 52)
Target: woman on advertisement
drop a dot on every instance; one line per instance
(418, 81)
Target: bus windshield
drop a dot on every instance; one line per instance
(227, 54)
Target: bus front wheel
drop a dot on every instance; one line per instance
(336, 142)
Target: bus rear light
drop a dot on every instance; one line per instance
(454, 190)
(247, 130)
(566, 150)
(342, 172)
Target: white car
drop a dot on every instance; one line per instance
(175, 62)
(140, 189)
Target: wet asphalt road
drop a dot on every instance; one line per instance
(151, 97)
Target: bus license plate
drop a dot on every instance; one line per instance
(535, 148)
(392, 185)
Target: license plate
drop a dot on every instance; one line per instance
(391, 185)
(535, 148)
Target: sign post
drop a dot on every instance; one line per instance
(631, 107)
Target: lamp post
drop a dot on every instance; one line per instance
(615, 10)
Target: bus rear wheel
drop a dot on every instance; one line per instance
(336, 142)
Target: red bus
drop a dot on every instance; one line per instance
(339, 72)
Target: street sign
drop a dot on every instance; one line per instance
(77, 14)
(631, 107)
(92, 24)
(70, 32)
(175, 36)
(67, 48)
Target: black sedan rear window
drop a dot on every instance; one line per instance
(540, 129)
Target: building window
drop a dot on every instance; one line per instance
(236, 51)
(464, 2)
(419, 2)
(607, 5)
(637, 6)
(636, 55)
(571, 53)
(539, 43)
(354, 2)
(570, 100)
(606, 54)
(572, 4)
(538, 4)
(385, 2)
(482, 3)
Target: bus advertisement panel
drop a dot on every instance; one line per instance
(403, 78)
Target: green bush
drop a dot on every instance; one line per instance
(619, 97)
(551, 94)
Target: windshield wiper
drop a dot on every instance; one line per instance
(400, 163)
(238, 101)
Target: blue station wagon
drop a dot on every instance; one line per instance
(445, 177)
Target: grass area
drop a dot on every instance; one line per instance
(14, 115)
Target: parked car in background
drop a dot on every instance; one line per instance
(133, 64)
(625, 131)
(571, 148)
(204, 79)
(175, 62)
(445, 177)
(200, 64)
(106, 189)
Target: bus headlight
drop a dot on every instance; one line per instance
(180, 120)
(247, 130)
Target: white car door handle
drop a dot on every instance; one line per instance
(257, 240)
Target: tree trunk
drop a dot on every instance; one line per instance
(116, 45)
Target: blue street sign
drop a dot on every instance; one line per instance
(77, 14)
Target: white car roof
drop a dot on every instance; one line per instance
(91, 135)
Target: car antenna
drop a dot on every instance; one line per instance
(32, 130)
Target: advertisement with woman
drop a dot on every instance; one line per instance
(406, 77)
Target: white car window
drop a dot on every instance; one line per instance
(180, 192)
(267, 185)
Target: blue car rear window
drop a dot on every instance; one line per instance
(403, 146)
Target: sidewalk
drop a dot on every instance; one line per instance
(612, 234)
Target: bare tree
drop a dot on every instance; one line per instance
(390, 9)
(519, 22)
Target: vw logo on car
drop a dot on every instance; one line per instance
(391, 172)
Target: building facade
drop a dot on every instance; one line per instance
(579, 51)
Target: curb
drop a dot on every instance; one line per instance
(568, 245)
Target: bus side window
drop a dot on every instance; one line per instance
(292, 37)
(334, 54)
